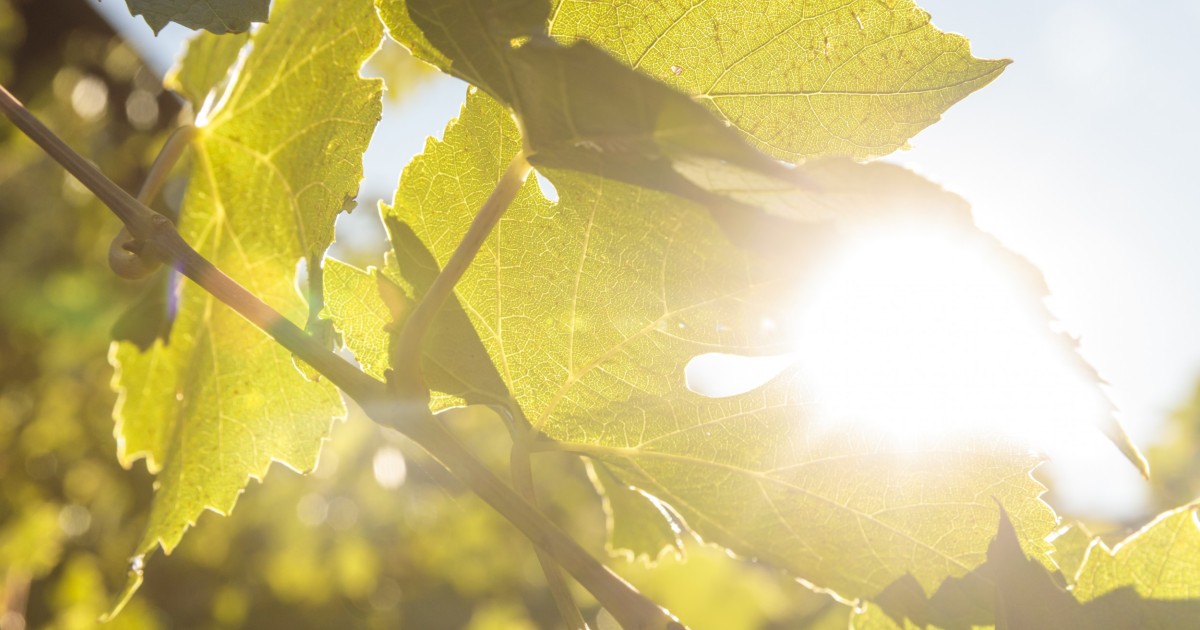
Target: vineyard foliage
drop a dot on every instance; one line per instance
(697, 162)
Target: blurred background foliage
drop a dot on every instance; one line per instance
(379, 536)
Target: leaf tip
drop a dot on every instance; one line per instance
(1117, 435)
(137, 568)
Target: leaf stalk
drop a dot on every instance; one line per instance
(406, 351)
(521, 469)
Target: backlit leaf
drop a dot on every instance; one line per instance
(637, 526)
(581, 110)
(1160, 562)
(800, 79)
(276, 159)
(1071, 545)
(208, 59)
(760, 473)
(218, 16)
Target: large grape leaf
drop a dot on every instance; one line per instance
(278, 154)
(829, 78)
(579, 109)
(590, 308)
(1161, 562)
(218, 16)
(800, 79)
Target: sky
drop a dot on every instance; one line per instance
(1078, 157)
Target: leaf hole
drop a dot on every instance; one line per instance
(548, 189)
(717, 375)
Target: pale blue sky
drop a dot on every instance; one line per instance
(1078, 156)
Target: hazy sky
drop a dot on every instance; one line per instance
(1078, 156)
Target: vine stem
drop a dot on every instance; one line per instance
(521, 469)
(406, 352)
(162, 241)
(122, 258)
(629, 607)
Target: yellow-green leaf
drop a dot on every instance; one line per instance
(278, 154)
(218, 16)
(799, 79)
(1071, 545)
(637, 527)
(579, 108)
(208, 59)
(591, 307)
(1160, 562)
(354, 305)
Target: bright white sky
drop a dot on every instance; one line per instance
(1079, 157)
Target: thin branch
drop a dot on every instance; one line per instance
(161, 241)
(630, 608)
(406, 352)
(522, 480)
(123, 256)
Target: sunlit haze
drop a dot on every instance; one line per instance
(918, 334)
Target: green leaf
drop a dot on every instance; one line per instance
(566, 98)
(638, 528)
(369, 308)
(354, 305)
(278, 155)
(758, 472)
(1071, 545)
(1159, 562)
(218, 16)
(799, 79)
(205, 65)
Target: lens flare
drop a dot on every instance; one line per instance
(920, 331)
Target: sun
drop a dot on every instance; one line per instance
(921, 331)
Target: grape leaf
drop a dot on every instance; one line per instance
(800, 79)
(353, 302)
(369, 306)
(1149, 580)
(652, 136)
(567, 99)
(217, 16)
(278, 154)
(757, 473)
(1160, 562)
(208, 60)
(1071, 545)
(638, 529)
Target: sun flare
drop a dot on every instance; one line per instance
(917, 333)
